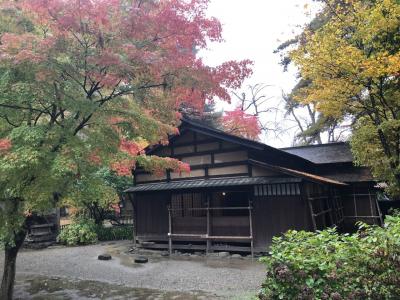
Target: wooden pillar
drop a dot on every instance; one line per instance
(169, 230)
(355, 203)
(251, 229)
(330, 206)
(134, 216)
(371, 206)
(208, 246)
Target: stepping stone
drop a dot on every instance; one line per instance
(104, 257)
(141, 260)
(223, 254)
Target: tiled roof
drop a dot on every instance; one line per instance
(323, 154)
(206, 183)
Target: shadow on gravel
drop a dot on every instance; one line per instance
(55, 288)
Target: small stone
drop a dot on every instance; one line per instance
(141, 260)
(236, 256)
(213, 254)
(198, 253)
(104, 257)
(194, 255)
(223, 254)
(131, 250)
(164, 254)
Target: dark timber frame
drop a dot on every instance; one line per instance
(241, 193)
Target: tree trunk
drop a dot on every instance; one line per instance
(10, 259)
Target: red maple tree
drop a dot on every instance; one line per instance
(242, 124)
(86, 84)
(114, 48)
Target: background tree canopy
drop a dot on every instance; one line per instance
(350, 58)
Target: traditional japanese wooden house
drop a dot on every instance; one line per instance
(240, 193)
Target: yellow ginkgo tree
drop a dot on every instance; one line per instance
(353, 64)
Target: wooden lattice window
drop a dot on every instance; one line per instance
(187, 205)
(283, 189)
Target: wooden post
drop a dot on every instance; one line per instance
(134, 216)
(310, 206)
(371, 206)
(169, 230)
(331, 204)
(379, 209)
(251, 230)
(58, 220)
(134, 229)
(208, 225)
(355, 202)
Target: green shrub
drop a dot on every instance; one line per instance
(114, 233)
(329, 265)
(82, 232)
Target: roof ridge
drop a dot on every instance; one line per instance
(314, 145)
(197, 123)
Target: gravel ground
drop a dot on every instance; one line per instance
(218, 277)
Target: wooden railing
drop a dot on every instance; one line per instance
(207, 236)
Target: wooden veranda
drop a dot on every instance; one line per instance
(208, 236)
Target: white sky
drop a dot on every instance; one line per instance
(252, 29)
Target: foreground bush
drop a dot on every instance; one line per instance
(114, 233)
(82, 232)
(329, 265)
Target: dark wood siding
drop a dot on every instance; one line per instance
(275, 215)
(208, 157)
(152, 216)
(189, 225)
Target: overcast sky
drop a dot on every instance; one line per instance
(252, 29)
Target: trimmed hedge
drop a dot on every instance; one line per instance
(329, 265)
(114, 233)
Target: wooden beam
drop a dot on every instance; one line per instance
(322, 212)
(379, 210)
(213, 208)
(223, 237)
(310, 206)
(361, 217)
(187, 235)
(200, 247)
